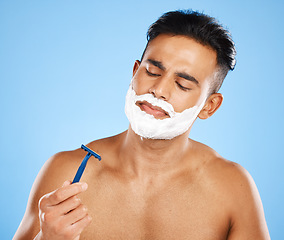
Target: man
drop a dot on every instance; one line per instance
(153, 182)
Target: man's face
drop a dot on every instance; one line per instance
(176, 69)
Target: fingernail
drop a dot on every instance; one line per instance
(84, 186)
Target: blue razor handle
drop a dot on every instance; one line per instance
(84, 163)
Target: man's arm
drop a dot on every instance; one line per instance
(47, 206)
(248, 220)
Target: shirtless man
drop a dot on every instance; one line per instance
(154, 183)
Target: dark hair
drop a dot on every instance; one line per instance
(205, 30)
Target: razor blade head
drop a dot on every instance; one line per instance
(91, 152)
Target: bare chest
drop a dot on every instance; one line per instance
(172, 212)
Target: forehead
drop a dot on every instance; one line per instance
(181, 53)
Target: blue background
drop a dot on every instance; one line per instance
(65, 67)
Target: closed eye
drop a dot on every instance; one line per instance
(182, 87)
(152, 74)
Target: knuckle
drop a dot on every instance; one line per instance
(82, 210)
(42, 217)
(85, 210)
(87, 219)
(47, 217)
(75, 201)
(78, 188)
(42, 202)
(85, 222)
(58, 196)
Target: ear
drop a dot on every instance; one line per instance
(211, 105)
(135, 67)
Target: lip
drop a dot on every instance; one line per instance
(157, 112)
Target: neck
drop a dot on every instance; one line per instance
(147, 157)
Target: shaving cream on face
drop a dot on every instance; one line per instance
(147, 126)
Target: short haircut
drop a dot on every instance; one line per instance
(204, 29)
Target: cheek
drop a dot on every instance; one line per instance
(179, 103)
(140, 86)
(182, 101)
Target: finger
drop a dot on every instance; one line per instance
(64, 193)
(66, 183)
(68, 205)
(79, 226)
(76, 215)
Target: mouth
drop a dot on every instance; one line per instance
(157, 112)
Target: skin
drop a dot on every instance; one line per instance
(151, 189)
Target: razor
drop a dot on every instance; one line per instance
(84, 163)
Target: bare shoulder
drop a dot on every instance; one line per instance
(57, 169)
(229, 175)
(231, 181)
(54, 172)
(63, 165)
(219, 168)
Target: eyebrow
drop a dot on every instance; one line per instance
(188, 77)
(158, 64)
(184, 75)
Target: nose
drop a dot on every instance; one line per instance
(161, 88)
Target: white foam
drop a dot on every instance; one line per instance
(147, 126)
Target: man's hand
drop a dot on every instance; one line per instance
(61, 213)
